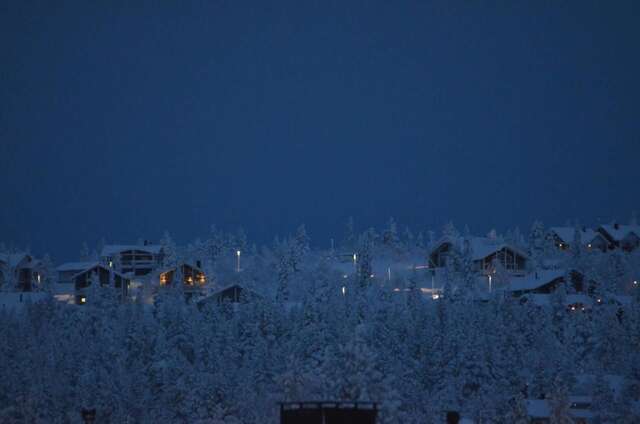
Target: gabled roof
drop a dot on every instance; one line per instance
(535, 280)
(76, 266)
(112, 249)
(173, 268)
(621, 231)
(14, 259)
(99, 265)
(567, 234)
(481, 247)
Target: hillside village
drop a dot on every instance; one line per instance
(579, 284)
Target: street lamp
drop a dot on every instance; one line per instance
(489, 283)
(238, 263)
(88, 415)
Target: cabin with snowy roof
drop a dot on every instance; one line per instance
(486, 253)
(193, 278)
(21, 270)
(137, 260)
(625, 237)
(563, 238)
(548, 281)
(234, 293)
(78, 276)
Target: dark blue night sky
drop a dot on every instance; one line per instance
(121, 120)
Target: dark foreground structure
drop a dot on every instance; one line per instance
(328, 412)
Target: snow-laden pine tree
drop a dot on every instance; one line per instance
(169, 251)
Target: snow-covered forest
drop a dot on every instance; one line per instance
(365, 318)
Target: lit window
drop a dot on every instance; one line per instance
(83, 299)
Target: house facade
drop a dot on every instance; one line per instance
(625, 237)
(486, 254)
(74, 279)
(193, 278)
(563, 238)
(20, 270)
(137, 260)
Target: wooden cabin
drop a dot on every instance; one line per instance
(193, 278)
(137, 260)
(22, 269)
(625, 237)
(563, 238)
(485, 253)
(78, 276)
(547, 282)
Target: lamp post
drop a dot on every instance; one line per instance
(238, 263)
(88, 415)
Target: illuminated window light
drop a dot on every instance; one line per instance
(344, 290)
(435, 296)
(83, 299)
(38, 277)
(110, 264)
(635, 282)
(589, 245)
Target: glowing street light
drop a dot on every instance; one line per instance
(489, 283)
(238, 263)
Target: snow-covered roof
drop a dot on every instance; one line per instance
(570, 299)
(567, 234)
(621, 231)
(538, 408)
(535, 280)
(13, 259)
(97, 264)
(112, 249)
(173, 268)
(76, 266)
(481, 247)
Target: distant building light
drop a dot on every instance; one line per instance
(345, 276)
(435, 296)
(344, 290)
(589, 245)
(83, 299)
(635, 282)
(110, 264)
(38, 277)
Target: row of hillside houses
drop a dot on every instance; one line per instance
(124, 267)
(498, 264)
(604, 237)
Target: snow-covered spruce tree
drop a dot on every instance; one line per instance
(169, 249)
(559, 404)
(349, 240)
(537, 240)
